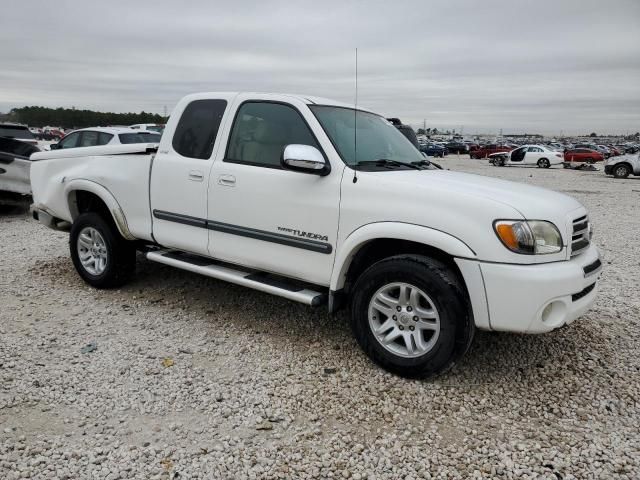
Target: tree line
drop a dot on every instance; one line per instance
(72, 118)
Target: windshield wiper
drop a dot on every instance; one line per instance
(388, 162)
(422, 162)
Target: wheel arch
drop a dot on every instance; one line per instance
(375, 241)
(87, 196)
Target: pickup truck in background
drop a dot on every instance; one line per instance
(15, 161)
(311, 200)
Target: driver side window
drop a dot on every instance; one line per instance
(262, 130)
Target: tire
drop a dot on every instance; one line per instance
(499, 162)
(114, 258)
(440, 288)
(621, 171)
(544, 163)
(589, 160)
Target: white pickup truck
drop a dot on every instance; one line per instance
(314, 201)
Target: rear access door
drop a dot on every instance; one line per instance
(180, 172)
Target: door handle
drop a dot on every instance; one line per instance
(227, 180)
(196, 175)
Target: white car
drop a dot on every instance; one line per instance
(97, 136)
(272, 192)
(531, 155)
(622, 166)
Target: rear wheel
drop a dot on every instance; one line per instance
(544, 163)
(621, 171)
(589, 160)
(101, 256)
(410, 316)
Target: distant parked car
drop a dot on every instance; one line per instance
(615, 151)
(623, 166)
(582, 156)
(485, 150)
(473, 147)
(15, 165)
(606, 153)
(527, 155)
(433, 150)
(19, 132)
(91, 137)
(457, 147)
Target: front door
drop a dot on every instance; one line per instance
(266, 217)
(180, 174)
(517, 156)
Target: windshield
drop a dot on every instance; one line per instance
(15, 131)
(377, 138)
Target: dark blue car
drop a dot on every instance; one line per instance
(433, 150)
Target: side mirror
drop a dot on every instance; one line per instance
(54, 146)
(304, 158)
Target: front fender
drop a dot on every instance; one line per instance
(105, 195)
(394, 230)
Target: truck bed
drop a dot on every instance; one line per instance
(123, 170)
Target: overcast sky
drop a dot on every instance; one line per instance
(537, 66)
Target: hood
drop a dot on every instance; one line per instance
(534, 203)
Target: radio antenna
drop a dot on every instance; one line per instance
(355, 127)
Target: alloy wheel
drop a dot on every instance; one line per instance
(404, 320)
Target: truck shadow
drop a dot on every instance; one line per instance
(493, 357)
(307, 335)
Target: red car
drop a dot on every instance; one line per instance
(582, 155)
(485, 150)
(614, 151)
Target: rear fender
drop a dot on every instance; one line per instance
(105, 195)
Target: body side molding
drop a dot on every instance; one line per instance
(302, 243)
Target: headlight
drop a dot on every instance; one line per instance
(532, 237)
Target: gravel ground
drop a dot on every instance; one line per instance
(194, 378)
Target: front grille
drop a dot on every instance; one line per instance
(580, 237)
(577, 296)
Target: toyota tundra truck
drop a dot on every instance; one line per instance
(331, 206)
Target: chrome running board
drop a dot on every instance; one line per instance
(264, 282)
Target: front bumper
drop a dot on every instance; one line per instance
(608, 169)
(537, 298)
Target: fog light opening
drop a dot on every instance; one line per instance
(554, 313)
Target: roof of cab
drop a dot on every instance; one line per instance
(307, 99)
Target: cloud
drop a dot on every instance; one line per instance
(520, 65)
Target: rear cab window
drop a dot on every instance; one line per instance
(197, 129)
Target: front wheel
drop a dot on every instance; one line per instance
(101, 256)
(621, 171)
(410, 315)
